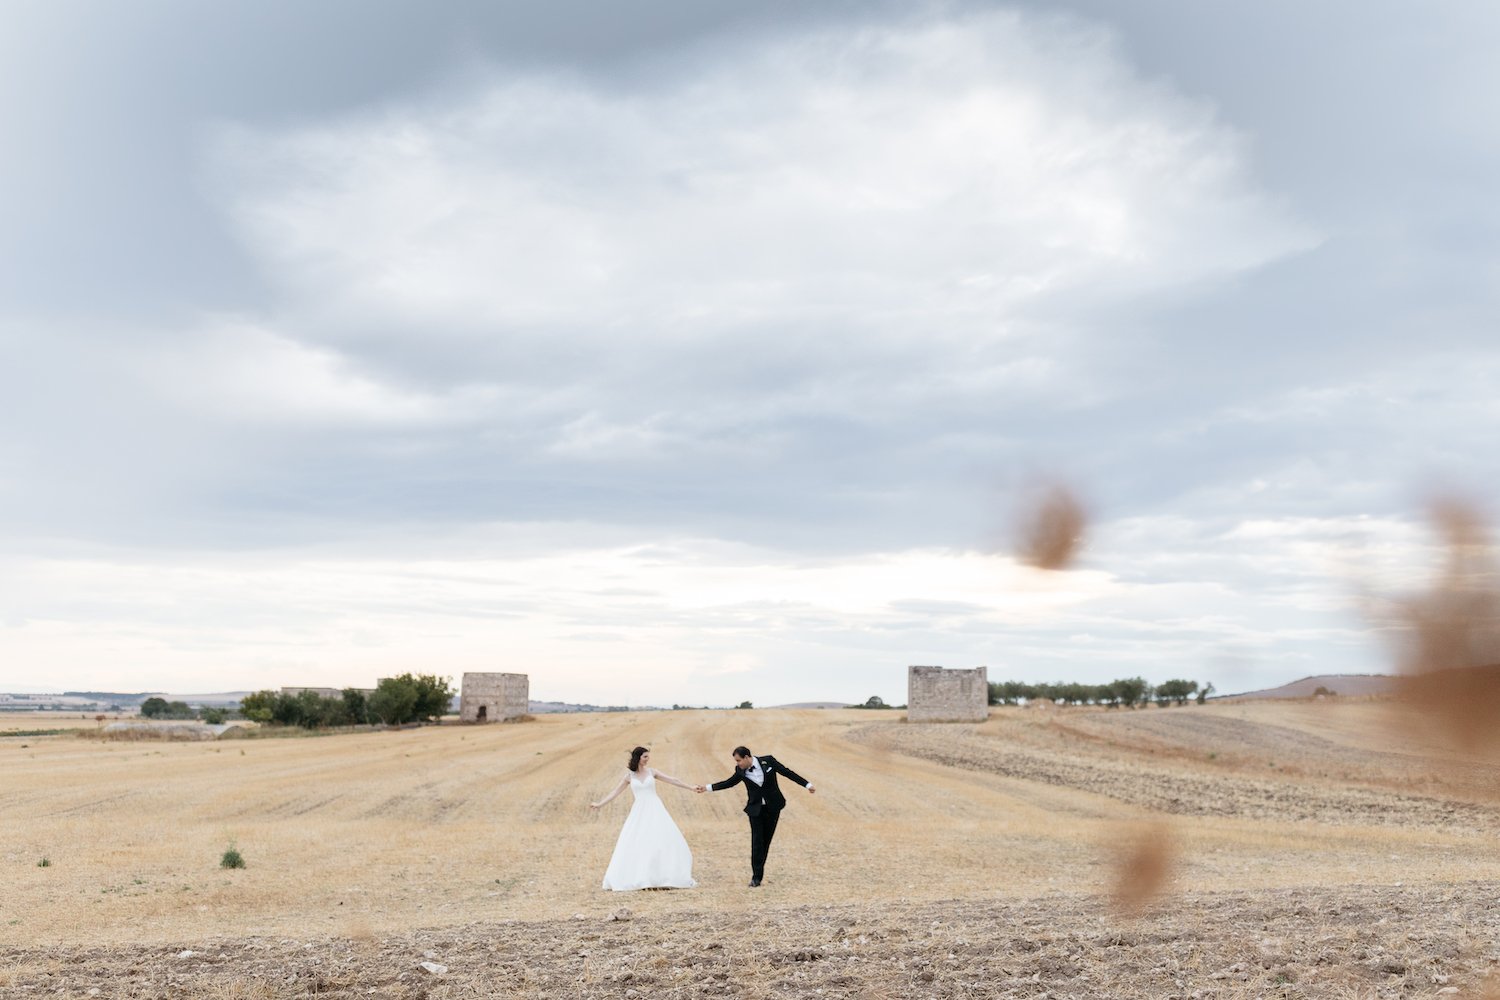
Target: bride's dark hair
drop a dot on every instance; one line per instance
(635, 758)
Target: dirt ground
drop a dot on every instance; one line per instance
(1369, 941)
(1298, 850)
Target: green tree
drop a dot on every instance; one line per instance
(744, 704)
(1175, 690)
(1133, 691)
(214, 716)
(286, 710)
(1203, 694)
(393, 701)
(434, 696)
(313, 711)
(356, 707)
(408, 698)
(259, 706)
(154, 708)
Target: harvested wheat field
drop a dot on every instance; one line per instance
(1270, 849)
(12, 723)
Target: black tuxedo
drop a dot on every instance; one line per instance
(763, 804)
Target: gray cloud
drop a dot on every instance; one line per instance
(483, 282)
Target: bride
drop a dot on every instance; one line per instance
(651, 852)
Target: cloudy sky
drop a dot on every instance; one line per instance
(693, 352)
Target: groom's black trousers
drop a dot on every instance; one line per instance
(762, 829)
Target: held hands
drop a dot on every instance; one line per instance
(700, 789)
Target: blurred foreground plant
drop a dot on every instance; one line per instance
(1448, 637)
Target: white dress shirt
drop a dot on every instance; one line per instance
(754, 773)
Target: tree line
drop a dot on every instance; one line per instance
(161, 708)
(1126, 692)
(394, 702)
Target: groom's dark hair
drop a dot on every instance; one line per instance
(742, 751)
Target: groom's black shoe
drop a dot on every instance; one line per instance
(755, 883)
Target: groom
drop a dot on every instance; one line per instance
(764, 802)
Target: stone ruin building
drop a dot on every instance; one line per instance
(934, 694)
(494, 697)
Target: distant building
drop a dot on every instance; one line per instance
(320, 692)
(934, 694)
(494, 697)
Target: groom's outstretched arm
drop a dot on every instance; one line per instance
(730, 782)
(792, 774)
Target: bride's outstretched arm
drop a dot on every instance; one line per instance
(673, 781)
(611, 796)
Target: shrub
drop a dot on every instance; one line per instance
(356, 707)
(259, 706)
(214, 716)
(395, 701)
(44, 863)
(1177, 690)
(408, 698)
(231, 857)
(160, 708)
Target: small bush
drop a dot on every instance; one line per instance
(232, 858)
(44, 863)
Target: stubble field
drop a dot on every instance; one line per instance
(1308, 849)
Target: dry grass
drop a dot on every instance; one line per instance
(362, 837)
(12, 722)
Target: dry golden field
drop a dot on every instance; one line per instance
(12, 722)
(1302, 846)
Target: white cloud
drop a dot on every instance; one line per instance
(921, 183)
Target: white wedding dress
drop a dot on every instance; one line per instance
(651, 852)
